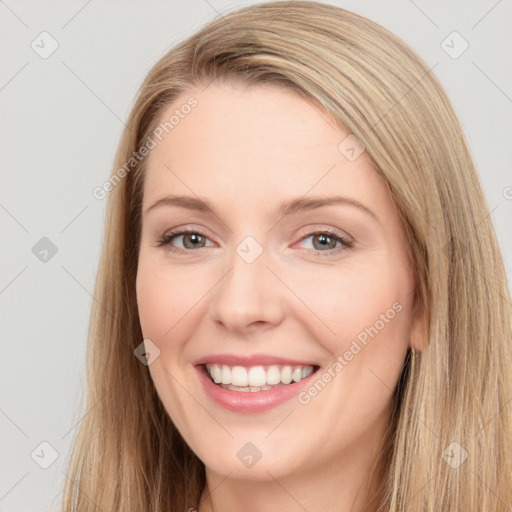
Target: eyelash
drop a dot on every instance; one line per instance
(346, 244)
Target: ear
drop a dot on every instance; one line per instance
(418, 330)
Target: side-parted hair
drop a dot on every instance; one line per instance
(452, 402)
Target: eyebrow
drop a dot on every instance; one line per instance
(288, 207)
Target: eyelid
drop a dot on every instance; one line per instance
(323, 228)
(320, 228)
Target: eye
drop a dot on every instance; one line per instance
(326, 242)
(192, 239)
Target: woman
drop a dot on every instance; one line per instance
(299, 254)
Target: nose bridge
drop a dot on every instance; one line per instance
(245, 294)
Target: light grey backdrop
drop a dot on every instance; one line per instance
(62, 112)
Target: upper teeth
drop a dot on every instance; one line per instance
(257, 375)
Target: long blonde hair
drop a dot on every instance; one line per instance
(449, 442)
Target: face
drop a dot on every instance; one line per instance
(259, 287)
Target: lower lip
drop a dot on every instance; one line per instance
(250, 401)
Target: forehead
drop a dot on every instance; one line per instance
(262, 143)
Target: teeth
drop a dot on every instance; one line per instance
(226, 374)
(256, 378)
(286, 375)
(239, 376)
(306, 371)
(216, 373)
(273, 376)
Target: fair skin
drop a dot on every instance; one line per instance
(245, 150)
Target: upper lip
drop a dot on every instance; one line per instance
(250, 360)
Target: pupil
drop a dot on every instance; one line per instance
(194, 238)
(324, 240)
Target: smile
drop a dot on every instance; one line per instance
(252, 384)
(256, 378)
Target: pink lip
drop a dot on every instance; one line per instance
(253, 360)
(249, 402)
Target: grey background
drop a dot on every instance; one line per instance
(61, 119)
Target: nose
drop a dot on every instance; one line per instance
(248, 297)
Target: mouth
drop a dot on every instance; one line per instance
(253, 389)
(255, 379)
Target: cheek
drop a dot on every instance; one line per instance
(350, 301)
(165, 303)
(164, 297)
(365, 313)
(369, 312)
